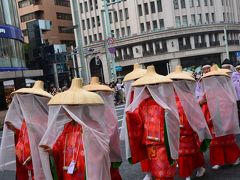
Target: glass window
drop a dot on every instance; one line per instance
(90, 39)
(159, 5)
(183, 4)
(96, 4)
(95, 37)
(115, 16)
(126, 13)
(213, 17)
(110, 18)
(191, 3)
(153, 9)
(61, 29)
(128, 31)
(148, 24)
(193, 17)
(64, 16)
(211, 2)
(93, 22)
(85, 6)
(25, 3)
(88, 23)
(207, 17)
(198, 3)
(91, 5)
(178, 21)
(161, 23)
(142, 27)
(199, 18)
(185, 21)
(83, 24)
(62, 3)
(175, 3)
(205, 2)
(140, 13)
(98, 21)
(123, 32)
(146, 11)
(121, 15)
(117, 33)
(85, 40)
(155, 26)
(81, 8)
(100, 36)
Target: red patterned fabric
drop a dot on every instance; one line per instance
(190, 156)
(224, 149)
(23, 151)
(146, 138)
(72, 137)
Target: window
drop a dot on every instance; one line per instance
(83, 24)
(198, 3)
(224, 17)
(88, 23)
(183, 4)
(93, 22)
(81, 8)
(24, 3)
(85, 40)
(191, 3)
(205, 2)
(112, 33)
(153, 9)
(159, 5)
(193, 17)
(142, 27)
(64, 16)
(110, 18)
(95, 37)
(146, 11)
(213, 17)
(148, 26)
(115, 16)
(98, 21)
(211, 2)
(207, 17)
(175, 3)
(140, 13)
(126, 13)
(90, 39)
(155, 26)
(62, 3)
(91, 5)
(85, 6)
(68, 43)
(161, 23)
(28, 17)
(96, 4)
(128, 31)
(199, 19)
(185, 21)
(61, 29)
(123, 32)
(121, 15)
(222, 2)
(100, 36)
(178, 21)
(117, 33)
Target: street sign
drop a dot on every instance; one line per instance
(118, 68)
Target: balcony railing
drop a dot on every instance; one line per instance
(215, 43)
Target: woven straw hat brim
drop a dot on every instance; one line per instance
(215, 73)
(135, 74)
(97, 87)
(226, 70)
(32, 91)
(180, 76)
(149, 79)
(79, 97)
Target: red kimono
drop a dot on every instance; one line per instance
(146, 138)
(68, 148)
(224, 149)
(23, 152)
(190, 156)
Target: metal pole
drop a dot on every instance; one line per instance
(75, 7)
(226, 41)
(55, 72)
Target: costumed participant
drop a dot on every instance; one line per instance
(220, 111)
(153, 124)
(25, 124)
(205, 69)
(76, 139)
(193, 127)
(236, 84)
(106, 94)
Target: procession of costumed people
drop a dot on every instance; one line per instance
(169, 122)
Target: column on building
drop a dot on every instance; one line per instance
(154, 48)
(192, 42)
(207, 40)
(122, 52)
(184, 41)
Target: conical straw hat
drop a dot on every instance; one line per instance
(215, 71)
(226, 70)
(151, 77)
(96, 86)
(135, 74)
(179, 74)
(76, 95)
(37, 89)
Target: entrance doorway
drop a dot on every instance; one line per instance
(96, 68)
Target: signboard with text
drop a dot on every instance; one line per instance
(11, 32)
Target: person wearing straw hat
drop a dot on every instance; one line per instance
(24, 126)
(106, 94)
(193, 126)
(236, 84)
(76, 139)
(129, 94)
(220, 111)
(153, 124)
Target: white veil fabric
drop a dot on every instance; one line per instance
(164, 95)
(221, 99)
(95, 138)
(185, 91)
(34, 111)
(112, 126)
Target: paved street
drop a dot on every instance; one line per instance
(133, 172)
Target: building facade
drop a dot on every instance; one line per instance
(57, 11)
(164, 33)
